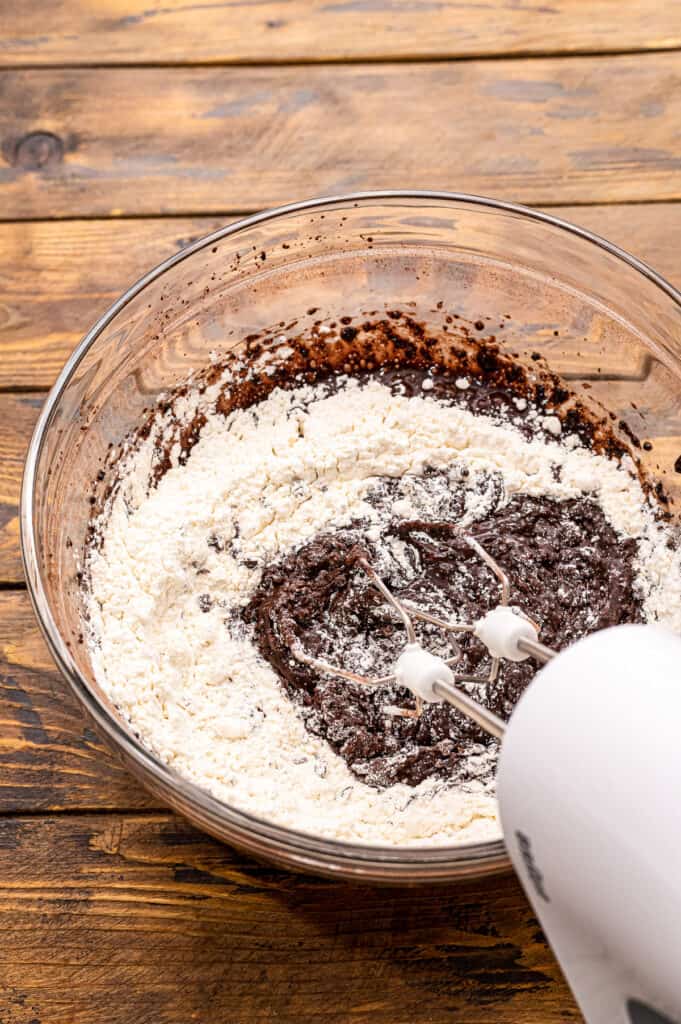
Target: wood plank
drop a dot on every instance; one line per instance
(18, 414)
(58, 277)
(50, 758)
(144, 31)
(648, 231)
(145, 915)
(206, 140)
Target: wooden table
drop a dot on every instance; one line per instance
(127, 128)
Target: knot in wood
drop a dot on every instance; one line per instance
(37, 150)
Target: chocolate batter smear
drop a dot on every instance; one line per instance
(569, 571)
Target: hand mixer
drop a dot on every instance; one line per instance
(589, 787)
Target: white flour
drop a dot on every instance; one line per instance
(257, 484)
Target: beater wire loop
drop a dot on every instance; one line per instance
(408, 612)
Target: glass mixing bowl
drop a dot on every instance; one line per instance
(604, 321)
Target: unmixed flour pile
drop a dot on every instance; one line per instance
(204, 575)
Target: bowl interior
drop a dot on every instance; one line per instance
(601, 322)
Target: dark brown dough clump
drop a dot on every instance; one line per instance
(569, 572)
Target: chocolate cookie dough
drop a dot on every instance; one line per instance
(569, 572)
(231, 530)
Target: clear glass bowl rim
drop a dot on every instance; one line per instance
(304, 848)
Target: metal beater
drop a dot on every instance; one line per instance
(505, 632)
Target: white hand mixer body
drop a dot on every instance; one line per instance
(589, 786)
(589, 783)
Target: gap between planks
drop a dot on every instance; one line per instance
(418, 57)
(554, 208)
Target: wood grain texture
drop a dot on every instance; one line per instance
(207, 140)
(118, 919)
(167, 31)
(57, 278)
(18, 414)
(136, 917)
(50, 758)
